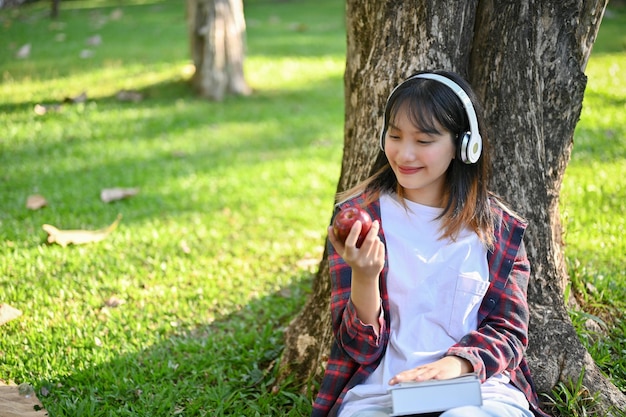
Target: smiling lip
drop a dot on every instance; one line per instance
(408, 170)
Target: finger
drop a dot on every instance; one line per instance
(415, 374)
(353, 236)
(368, 246)
(372, 235)
(403, 376)
(373, 246)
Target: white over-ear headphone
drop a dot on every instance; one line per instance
(471, 144)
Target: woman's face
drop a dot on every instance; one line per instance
(418, 159)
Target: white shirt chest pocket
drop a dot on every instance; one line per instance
(468, 295)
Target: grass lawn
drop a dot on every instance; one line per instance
(181, 310)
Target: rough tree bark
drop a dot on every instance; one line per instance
(526, 60)
(217, 30)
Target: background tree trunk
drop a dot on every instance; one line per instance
(217, 30)
(526, 61)
(54, 12)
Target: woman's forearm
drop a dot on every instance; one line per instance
(365, 296)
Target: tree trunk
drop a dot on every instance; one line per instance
(54, 11)
(526, 61)
(217, 30)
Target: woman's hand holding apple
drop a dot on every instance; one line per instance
(355, 238)
(367, 262)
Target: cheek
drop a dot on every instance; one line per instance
(390, 149)
(439, 156)
(450, 151)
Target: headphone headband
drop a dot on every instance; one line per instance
(471, 142)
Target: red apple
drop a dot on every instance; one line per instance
(345, 219)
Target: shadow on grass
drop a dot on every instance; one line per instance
(223, 368)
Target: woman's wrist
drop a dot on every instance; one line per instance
(365, 297)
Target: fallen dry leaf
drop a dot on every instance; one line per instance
(78, 237)
(23, 52)
(86, 53)
(56, 25)
(41, 109)
(94, 40)
(81, 98)
(116, 14)
(129, 95)
(113, 194)
(8, 313)
(35, 202)
(14, 404)
(113, 302)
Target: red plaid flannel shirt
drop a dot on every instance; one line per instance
(497, 345)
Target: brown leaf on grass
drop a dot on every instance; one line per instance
(129, 95)
(116, 14)
(94, 40)
(81, 98)
(23, 52)
(41, 109)
(113, 194)
(8, 313)
(57, 25)
(113, 302)
(78, 237)
(35, 202)
(86, 53)
(13, 402)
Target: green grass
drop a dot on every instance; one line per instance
(216, 254)
(594, 190)
(213, 257)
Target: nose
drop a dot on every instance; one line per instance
(407, 150)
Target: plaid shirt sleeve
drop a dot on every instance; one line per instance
(357, 349)
(358, 340)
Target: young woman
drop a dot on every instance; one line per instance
(438, 287)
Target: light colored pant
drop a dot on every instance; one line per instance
(488, 409)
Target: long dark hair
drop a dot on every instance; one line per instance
(466, 198)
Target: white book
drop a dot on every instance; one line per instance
(435, 395)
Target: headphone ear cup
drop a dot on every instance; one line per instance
(470, 148)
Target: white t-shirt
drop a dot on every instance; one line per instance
(435, 289)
